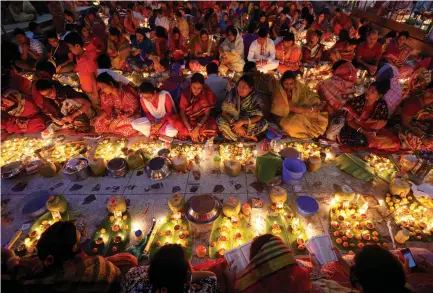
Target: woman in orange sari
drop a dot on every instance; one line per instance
(396, 53)
(366, 118)
(289, 54)
(119, 106)
(337, 89)
(194, 120)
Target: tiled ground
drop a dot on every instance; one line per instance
(149, 198)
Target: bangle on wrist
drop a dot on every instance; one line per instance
(312, 109)
(358, 129)
(249, 121)
(190, 129)
(199, 124)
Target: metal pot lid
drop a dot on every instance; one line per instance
(76, 165)
(11, 169)
(156, 163)
(116, 164)
(203, 209)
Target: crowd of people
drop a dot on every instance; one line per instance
(62, 266)
(267, 45)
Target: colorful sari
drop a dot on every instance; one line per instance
(312, 54)
(299, 125)
(343, 22)
(289, 58)
(336, 89)
(130, 24)
(81, 274)
(273, 269)
(177, 48)
(397, 57)
(114, 50)
(373, 119)
(67, 102)
(195, 107)
(118, 113)
(24, 117)
(242, 108)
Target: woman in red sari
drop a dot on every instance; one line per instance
(366, 118)
(337, 89)
(161, 42)
(194, 120)
(130, 22)
(396, 53)
(92, 42)
(176, 46)
(20, 115)
(313, 50)
(119, 106)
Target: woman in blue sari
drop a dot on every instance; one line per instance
(142, 46)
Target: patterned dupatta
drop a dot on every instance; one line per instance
(423, 120)
(274, 257)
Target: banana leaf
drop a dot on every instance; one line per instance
(355, 166)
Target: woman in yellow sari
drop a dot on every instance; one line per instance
(297, 110)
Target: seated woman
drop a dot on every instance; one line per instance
(263, 22)
(20, 114)
(92, 42)
(169, 271)
(67, 108)
(272, 268)
(194, 120)
(130, 22)
(366, 117)
(298, 110)
(176, 46)
(417, 122)
(224, 24)
(289, 54)
(119, 106)
(335, 90)
(313, 50)
(320, 24)
(345, 45)
(161, 43)
(242, 115)
(157, 105)
(142, 47)
(396, 53)
(115, 21)
(118, 48)
(232, 52)
(203, 52)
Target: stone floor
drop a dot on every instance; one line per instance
(149, 198)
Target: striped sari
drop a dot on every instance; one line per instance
(273, 269)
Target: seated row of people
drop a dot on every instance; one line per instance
(61, 265)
